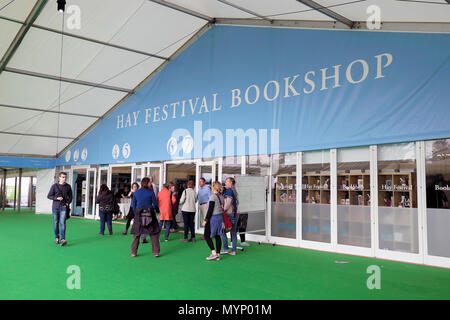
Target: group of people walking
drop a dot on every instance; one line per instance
(147, 202)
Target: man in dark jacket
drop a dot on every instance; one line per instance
(61, 194)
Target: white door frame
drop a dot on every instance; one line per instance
(407, 256)
(428, 259)
(308, 244)
(162, 171)
(133, 176)
(87, 204)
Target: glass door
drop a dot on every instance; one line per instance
(104, 177)
(207, 171)
(91, 193)
(155, 171)
(137, 173)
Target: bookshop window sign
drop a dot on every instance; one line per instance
(316, 196)
(437, 155)
(397, 197)
(353, 197)
(284, 195)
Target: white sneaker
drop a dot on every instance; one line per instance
(223, 251)
(245, 244)
(212, 257)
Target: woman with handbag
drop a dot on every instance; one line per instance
(230, 207)
(214, 221)
(145, 221)
(106, 202)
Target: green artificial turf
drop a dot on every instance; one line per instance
(33, 267)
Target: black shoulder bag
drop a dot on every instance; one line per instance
(66, 204)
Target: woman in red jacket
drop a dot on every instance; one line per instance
(166, 202)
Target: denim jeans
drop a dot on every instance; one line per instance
(105, 216)
(168, 225)
(59, 222)
(233, 231)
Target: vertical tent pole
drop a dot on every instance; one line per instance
(4, 190)
(15, 192)
(20, 189)
(30, 194)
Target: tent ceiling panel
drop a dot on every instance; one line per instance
(40, 52)
(393, 11)
(18, 9)
(282, 9)
(155, 27)
(119, 68)
(32, 92)
(212, 8)
(8, 33)
(100, 20)
(43, 146)
(42, 123)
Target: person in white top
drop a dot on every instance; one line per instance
(188, 200)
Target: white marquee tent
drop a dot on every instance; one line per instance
(57, 81)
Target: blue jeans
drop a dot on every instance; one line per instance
(233, 231)
(59, 222)
(168, 225)
(105, 216)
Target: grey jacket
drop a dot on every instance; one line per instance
(188, 200)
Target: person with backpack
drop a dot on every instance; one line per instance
(166, 202)
(61, 194)
(230, 207)
(107, 203)
(188, 200)
(214, 221)
(145, 222)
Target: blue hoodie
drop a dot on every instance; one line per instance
(229, 193)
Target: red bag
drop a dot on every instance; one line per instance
(226, 221)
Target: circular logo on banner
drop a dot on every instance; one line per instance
(187, 144)
(172, 146)
(76, 155)
(84, 154)
(126, 150)
(115, 151)
(68, 155)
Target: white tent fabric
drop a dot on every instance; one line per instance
(122, 43)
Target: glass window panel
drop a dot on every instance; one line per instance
(284, 195)
(258, 165)
(397, 198)
(316, 196)
(438, 195)
(353, 197)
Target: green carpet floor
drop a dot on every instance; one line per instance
(32, 267)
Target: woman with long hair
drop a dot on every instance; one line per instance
(130, 215)
(145, 221)
(106, 202)
(213, 222)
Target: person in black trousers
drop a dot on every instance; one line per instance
(130, 215)
(106, 202)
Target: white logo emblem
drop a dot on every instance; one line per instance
(126, 150)
(68, 155)
(187, 144)
(84, 154)
(115, 151)
(76, 155)
(172, 146)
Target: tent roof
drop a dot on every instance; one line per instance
(57, 82)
